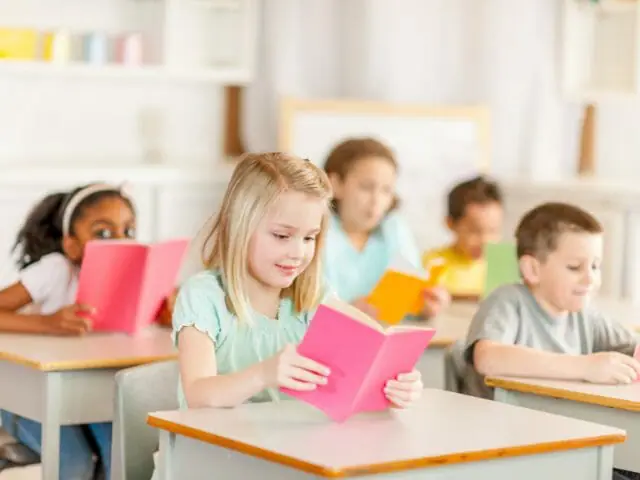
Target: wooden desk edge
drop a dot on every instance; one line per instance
(442, 342)
(591, 398)
(86, 364)
(388, 467)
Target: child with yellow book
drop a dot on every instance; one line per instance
(365, 232)
(475, 217)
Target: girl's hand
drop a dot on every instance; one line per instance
(165, 315)
(435, 300)
(405, 390)
(291, 370)
(365, 307)
(69, 320)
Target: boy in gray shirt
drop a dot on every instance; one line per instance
(545, 327)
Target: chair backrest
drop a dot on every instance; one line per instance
(139, 391)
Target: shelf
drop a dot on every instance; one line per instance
(595, 96)
(78, 173)
(221, 76)
(600, 50)
(616, 6)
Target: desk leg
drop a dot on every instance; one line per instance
(51, 426)
(165, 456)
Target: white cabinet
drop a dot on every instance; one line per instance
(600, 48)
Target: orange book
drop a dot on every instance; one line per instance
(399, 291)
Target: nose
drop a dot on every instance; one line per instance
(296, 250)
(590, 277)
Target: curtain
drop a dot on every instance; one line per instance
(501, 53)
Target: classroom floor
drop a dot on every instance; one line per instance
(32, 472)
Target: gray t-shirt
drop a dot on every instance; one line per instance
(511, 315)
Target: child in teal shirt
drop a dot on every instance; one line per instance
(237, 323)
(365, 233)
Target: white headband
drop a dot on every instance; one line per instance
(81, 196)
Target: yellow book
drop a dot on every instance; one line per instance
(18, 43)
(399, 291)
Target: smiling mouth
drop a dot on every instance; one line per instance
(287, 269)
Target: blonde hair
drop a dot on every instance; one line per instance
(257, 182)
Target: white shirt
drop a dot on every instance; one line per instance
(52, 283)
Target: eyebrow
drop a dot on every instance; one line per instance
(108, 222)
(291, 227)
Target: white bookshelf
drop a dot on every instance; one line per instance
(184, 40)
(600, 49)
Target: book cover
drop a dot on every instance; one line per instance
(502, 266)
(127, 282)
(362, 357)
(399, 291)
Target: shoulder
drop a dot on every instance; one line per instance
(516, 291)
(434, 253)
(208, 282)
(513, 295)
(201, 302)
(394, 221)
(52, 261)
(54, 267)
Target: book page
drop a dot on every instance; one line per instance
(402, 265)
(406, 328)
(353, 312)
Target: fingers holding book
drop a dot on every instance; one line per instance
(289, 369)
(405, 390)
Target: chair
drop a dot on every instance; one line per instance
(139, 391)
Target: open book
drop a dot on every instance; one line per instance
(127, 282)
(361, 355)
(399, 291)
(502, 266)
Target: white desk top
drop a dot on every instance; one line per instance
(626, 397)
(295, 434)
(96, 350)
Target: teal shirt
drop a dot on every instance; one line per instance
(352, 274)
(201, 304)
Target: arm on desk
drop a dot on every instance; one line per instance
(203, 387)
(64, 322)
(496, 359)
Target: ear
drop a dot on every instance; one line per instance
(451, 224)
(336, 185)
(530, 269)
(72, 248)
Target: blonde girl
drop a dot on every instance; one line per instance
(236, 324)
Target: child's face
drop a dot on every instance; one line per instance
(109, 219)
(568, 275)
(481, 224)
(365, 193)
(284, 242)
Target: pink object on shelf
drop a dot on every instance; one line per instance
(130, 49)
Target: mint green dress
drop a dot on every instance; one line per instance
(201, 304)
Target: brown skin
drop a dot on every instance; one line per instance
(109, 219)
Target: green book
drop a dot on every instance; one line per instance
(502, 266)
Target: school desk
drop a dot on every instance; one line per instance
(451, 325)
(445, 436)
(68, 381)
(618, 406)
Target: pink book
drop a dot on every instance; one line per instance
(361, 355)
(127, 282)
